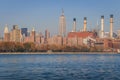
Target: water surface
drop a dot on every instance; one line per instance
(60, 67)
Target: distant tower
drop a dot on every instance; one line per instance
(111, 26)
(15, 27)
(74, 25)
(6, 34)
(102, 26)
(15, 34)
(24, 31)
(33, 34)
(62, 23)
(85, 24)
(47, 35)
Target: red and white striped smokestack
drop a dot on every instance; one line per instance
(111, 26)
(74, 24)
(102, 26)
(85, 24)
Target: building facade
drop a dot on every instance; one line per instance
(24, 31)
(15, 34)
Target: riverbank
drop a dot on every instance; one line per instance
(58, 53)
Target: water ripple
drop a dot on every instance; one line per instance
(60, 67)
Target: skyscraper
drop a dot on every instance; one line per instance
(24, 31)
(33, 35)
(15, 27)
(47, 35)
(6, 34)
(62, 25)
(15, 34)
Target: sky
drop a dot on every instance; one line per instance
(44, 14)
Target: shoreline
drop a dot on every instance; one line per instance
(58, 53)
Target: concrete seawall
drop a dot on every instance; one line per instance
(58, 53)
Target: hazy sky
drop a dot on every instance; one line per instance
(44, 14)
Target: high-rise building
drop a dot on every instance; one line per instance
(6, 34)
(74, 25)
(24, 31)
(111, 26)
(33, 35)
(62, 23)
(15, 27)
(118, 33)
(47, 34)
(15, 34)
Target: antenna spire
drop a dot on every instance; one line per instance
(62, 11)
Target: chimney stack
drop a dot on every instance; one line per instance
(85, 24)
(111, 26)
(74, 24)
(102, 26)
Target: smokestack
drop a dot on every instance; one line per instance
(102, 26)
(85, 24)
(111, 26)
(74, 24)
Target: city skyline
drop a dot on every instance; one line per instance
(45, 14)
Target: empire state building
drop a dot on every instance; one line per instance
(62, 25)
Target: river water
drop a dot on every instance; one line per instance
(60, 67)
